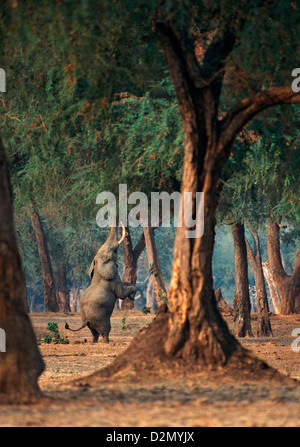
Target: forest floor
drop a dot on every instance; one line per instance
(170, 401)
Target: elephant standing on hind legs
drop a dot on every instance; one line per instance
(98, 301)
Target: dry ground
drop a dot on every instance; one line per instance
(184, 401)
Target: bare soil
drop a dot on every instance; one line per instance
(79, 392)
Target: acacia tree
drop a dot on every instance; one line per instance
(288, 286)
(241, 299)
(196, 330)
(263, 315)
(46, 265)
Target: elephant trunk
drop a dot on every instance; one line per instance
(112, 241)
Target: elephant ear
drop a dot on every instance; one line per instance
(91, 270)
(107, 269)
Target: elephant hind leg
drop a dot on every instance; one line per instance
(105, 337)
(94, 332)
(103, 329)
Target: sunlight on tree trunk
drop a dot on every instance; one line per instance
(288, 286)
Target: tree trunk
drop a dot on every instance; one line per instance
(150, 296)
(74, 299)
(131, 256)
(21, 364)
(241, 300)
(47, 273)
(263, 317)
(62, 291)
(154, 266)
(273, 291)
(288, 286)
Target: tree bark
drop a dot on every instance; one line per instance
(62, 291)
(288, 286)
(150, 296)
(47, 273)
(21, 364)
(273, 290)
(74, 299)
(131, 256)
(154, 266)
(241, 300)
(263, 315)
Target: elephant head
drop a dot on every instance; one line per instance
(104, 263)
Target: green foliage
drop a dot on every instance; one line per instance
(124, 326)
(90, 105)
(55, 337)
(146, 310)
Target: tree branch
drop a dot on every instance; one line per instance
(239, 115)
(185, 72)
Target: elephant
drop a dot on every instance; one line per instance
(98, 301)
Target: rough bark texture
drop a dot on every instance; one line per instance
(241, 300)
(287, 286)
(47, 273)
(263, 315)
(222, 304)
(21, 364)
(62, 291)
(154, 266)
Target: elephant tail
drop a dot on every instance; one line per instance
(74, 330)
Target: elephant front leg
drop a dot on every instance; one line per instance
(128, 291)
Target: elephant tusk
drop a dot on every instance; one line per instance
(123, 234)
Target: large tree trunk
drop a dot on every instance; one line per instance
(47, 273)
(154, 266)
(62, 291)
(263, 316)
(21, 364)
(241, 300)
(288, 286)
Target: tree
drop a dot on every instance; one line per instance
(196, 330)
(241, 299)
(158, 283)
(263, 317)
(21, 364)
(288, 286)
(47, 272)
(131, 256)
